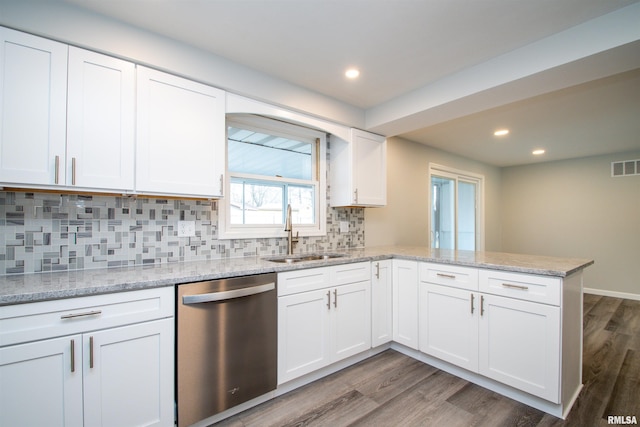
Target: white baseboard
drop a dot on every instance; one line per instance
(614, 294)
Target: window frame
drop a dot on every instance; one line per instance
(277, 127)
(458, 175)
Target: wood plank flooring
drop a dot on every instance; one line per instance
(392, 389)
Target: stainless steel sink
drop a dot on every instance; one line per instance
(290, 259)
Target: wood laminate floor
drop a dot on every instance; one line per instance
(392, 389)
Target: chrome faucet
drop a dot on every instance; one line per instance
(288, 227)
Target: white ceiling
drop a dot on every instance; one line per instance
(405, 46)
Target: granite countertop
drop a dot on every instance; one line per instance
(17, 289)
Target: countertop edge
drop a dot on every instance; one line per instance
(246, 267)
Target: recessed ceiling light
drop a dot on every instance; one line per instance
(352, 73)
(537, 152)
(501, 132)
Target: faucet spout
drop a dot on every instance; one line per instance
(288, 227)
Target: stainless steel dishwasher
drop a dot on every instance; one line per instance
(226, 349)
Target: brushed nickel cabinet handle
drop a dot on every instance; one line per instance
(335, 298)
(221, 184)
(355, 196)
(377, 270)
(57, 170)
(329, 300)
(472, 298)
(519, 287)
(73, 355)
(73, 171)
(448, 276)
(91, 352)
(481, 305)
(86, 313)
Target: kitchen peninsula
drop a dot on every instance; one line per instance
(508, 322)
(18, 289)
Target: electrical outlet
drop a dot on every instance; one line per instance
(186, 228)
(344, 226)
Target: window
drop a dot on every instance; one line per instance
(272, 164)
(456, 209)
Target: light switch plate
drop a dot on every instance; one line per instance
(186, 228)
(344, 226)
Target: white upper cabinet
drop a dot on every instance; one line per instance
(359, 170)
(100, 122)
(181, 137)
(33, 95)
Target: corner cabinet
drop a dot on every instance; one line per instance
(94, 361)
(181, 137)
(358, 170)
(324, 316)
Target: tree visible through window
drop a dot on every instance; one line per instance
(271, 165)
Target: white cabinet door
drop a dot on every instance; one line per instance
(405, 303)
(33, 94)
(303, 333)
(41, 383)
(100, 121)
(520, 345)
(181, 138)
(128, 375)
(381, 303)
(449, 324)
(351, 319)
(359, 170)
(370, 168)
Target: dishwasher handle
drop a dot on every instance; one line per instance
(226, 295)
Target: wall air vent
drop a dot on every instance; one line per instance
(625, 168)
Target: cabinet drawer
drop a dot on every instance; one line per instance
(40, 320)
(350, 273)
(292, 282)
(527, 287)
(449, 275)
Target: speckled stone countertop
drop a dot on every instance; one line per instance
(17, 289)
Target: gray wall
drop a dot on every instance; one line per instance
(404, 220)
(574, 208)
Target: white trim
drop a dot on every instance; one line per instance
(226, 231)
(614, 294)
(446, 171)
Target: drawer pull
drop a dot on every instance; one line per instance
(448, 276)
(472, 298)
(335, 298)
(519, 287)
(481, 305)
(329, 300)
(88, 313)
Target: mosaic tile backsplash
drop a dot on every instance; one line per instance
(41, 232)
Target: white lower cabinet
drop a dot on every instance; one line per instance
(449, 324)
(519, 345)
(38, 384)
(381, 303)
(322, 326)
(102, 371)
(405, 303)
(511, 340)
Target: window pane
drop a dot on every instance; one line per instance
(256, 203)
(443, 213)
(269, 155)
(466, 215)
(302, 201)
